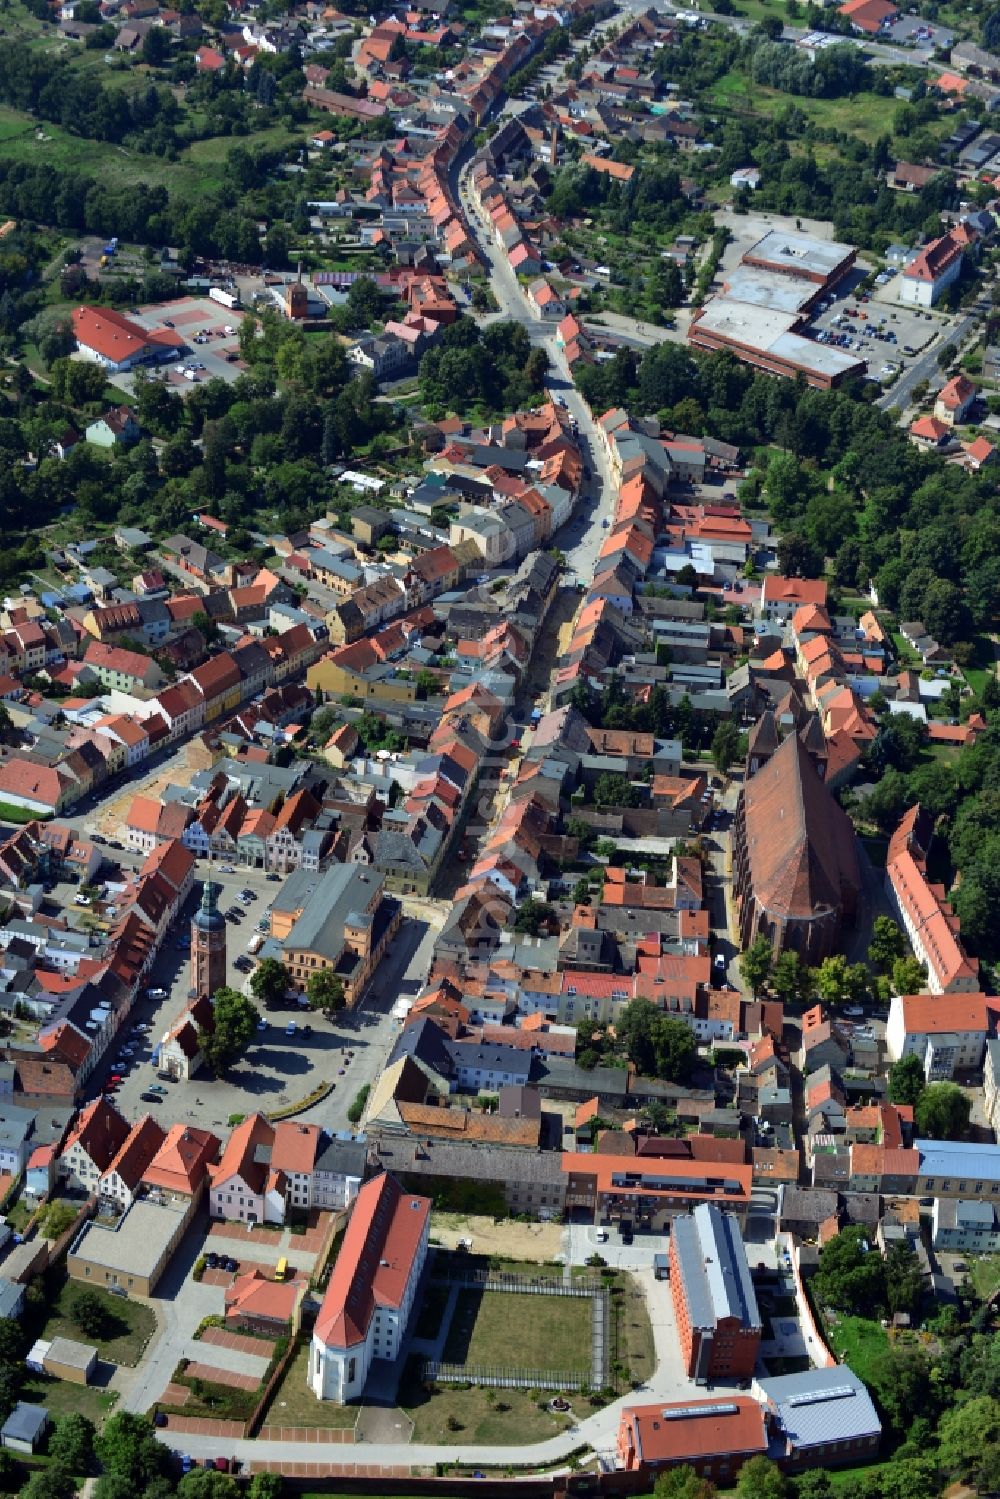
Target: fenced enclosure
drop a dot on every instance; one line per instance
(499, 1378)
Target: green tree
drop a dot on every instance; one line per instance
(900, 1381)
(908, 976)
(683, 1483)
(114, 1486)
(269, 982)
(614, 791)
(675, 1049)
(325, 991)
(581, 831)
(267, 1486)
(761, 1479)
(127, 1446)
(202, 1483)
(72, 1442)
(89, 1313)
(966, 1431)
(830, 979)
(13, 1342)
(234, 1020)
(56, 1219)
(535, 917)
(904, 1279)
(906, 1080)
(791, 979)
(851, 1277)
(813, 1485)
(755, 964)
(54, 1482)
(886, 945)
(635, 1029)
(942, 1112)
(725, 746)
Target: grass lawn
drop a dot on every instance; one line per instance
(636, 1349)
(61, 1398)
(294, 1404)
(865, 115)
(858, 1342)
(18, 1215)
(130, 1325)
(984, 1273)
(10, 813)
(905, 654)
(494, 1328)
(477, 1413)
(198, 169)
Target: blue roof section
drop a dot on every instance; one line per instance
(959, 1161)
(821, 1405)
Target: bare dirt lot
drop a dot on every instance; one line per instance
(512, 1241)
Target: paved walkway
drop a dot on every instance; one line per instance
(233, 1360)
(256, 1347)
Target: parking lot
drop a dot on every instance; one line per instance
(879, 330)
(209, 346)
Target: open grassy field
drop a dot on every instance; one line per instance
(294, 1404)
(197, 171)
(858, 1342)
(129, 1324)
(866, 115)
(493, 1328)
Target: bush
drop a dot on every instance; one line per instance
(200, 1266)
(358, 1106)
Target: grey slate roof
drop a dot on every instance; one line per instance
(341, 1157)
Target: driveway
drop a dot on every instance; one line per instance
(180, 1305)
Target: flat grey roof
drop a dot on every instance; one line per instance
(136, 1245)
(714, 1268)
(771, 333)
(764, 289)
(68, 1351)
(800, 253)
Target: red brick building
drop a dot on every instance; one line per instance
(718, 1323)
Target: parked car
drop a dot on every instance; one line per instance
(150, 1097)
(290, 1028)
(212, 1260)
(228, 868)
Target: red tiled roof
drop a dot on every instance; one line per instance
(375, 1261)
(108, 333)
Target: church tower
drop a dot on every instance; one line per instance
(208, 944)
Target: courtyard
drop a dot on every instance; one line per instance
(497, 1329)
